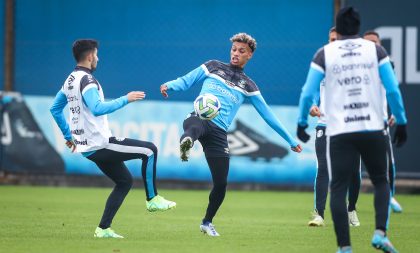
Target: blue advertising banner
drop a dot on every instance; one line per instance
(259, 155)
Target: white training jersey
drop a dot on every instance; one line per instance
(321, 119)
(353, 97)
(89, 132)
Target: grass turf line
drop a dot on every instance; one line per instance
(48, 219)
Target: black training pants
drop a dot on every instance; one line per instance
(343, 157)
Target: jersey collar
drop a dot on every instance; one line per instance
(83, 69)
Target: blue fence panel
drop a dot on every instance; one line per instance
(146, 43)
(259, 155)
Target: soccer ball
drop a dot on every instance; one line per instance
(207, 106)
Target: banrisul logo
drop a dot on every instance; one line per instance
(349, 46)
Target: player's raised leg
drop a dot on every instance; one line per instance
(194, 128)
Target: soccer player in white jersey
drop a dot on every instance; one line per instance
(395, 206)
(355, 70)
(89, 134)
(322, 179)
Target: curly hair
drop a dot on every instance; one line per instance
(245, 38)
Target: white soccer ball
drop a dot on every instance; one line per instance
(207, 106)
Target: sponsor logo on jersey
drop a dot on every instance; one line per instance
(354, 92)
(350, 46)
(337, 69)
(357, 118)
(224, 91)
(75, 109)
(70, 81)
(84, 142)
(358, 105)
(75, 120)
(71, 98)
(78, 131)
(349, 80)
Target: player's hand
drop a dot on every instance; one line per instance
(135, 95)
(391, 121)
(400, 135)
(164, 90)
(297, 149)
(71, 145)
(301, 133)
(315, 111)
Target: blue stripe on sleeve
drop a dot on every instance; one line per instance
(56, 109)
(268, 115)
(393, 94)
(309, 90)
(93, 101)
(185, 82)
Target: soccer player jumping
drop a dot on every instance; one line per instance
(231, 86)
(90, 135)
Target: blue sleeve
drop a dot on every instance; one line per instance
(316, 98)
(393, 94)
(310, 89)
(185, 82)
(60, 101)
(93, 101)
(268, 115)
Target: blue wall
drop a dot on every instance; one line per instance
(146, 43)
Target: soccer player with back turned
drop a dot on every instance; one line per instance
(90, 135)
(355, 70)
(322, 179)
(231, 86)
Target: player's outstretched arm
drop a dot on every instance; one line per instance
(185, 82)
(93, 101)
(268, 115)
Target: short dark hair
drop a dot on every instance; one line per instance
(333, 29)
(82, 47)
(347, 21)
(371, 32)
(245, 38)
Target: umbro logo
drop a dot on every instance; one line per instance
(350, 46)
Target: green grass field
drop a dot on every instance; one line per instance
(46, 219)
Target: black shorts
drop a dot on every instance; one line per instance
(212, 138)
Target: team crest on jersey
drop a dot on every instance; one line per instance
(242, 83)
(221, 73)
(319, 133)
